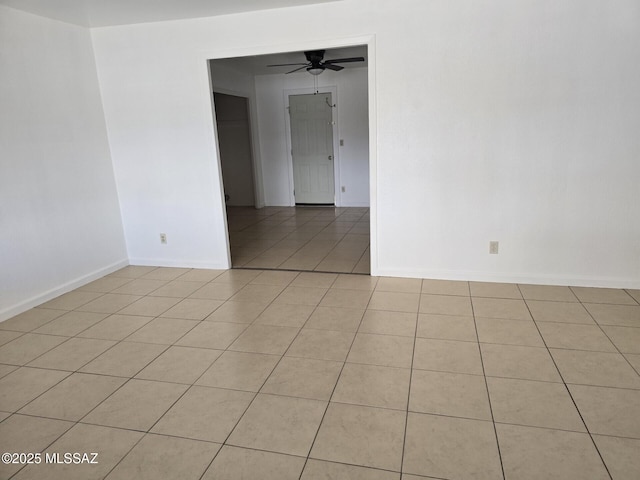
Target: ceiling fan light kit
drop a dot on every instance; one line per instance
(316, 64)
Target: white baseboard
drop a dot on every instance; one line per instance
(161, 262)
(522, 278)
(52, 293)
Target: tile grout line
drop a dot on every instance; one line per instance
(486, 383)
(569, 390)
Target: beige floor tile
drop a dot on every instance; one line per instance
(233, 463)
(358, 435)
(317, 280)
(494, 290)
(548, 292)
(576, 337)
(115, 327)
(239, 371)
(28, 347)
(218, 335)
(137, 405)
(401, 285)
(321, 345)
(394, 301)
(111, 444)
(343, 298)
(304, 378)
(7, 335)
(508, 332)
(595, 368)
(445, 305)
(447, 356)
(177, 289)
(621, 315)
(560, 312)
(180, 365)
(446, 447)
(200, 275)
(237, 276)
(603, 295)
(512, 361)
(125, 359)
(321, 470)
(335, 318)
(132, 271)
(500, 308)
(237, 312)
(72, 354)
(626, 339)
(355, 282)
(150, 306)
(279, 424)
(165, 273)
(109, 303)
(24, 384)
(537, 404)
(634, 360)
(7, 369)
(217, 291)
(263, 294)
(158, 456)
(22, 433)
(620, 455)
(73, 397)
(140, 286)
(389, 323)
(30, 320)
(609, 411)
(635, 293)
(285, 315)
(204, 413)
(451, 394)
(274, 278)
(265, 339)
(192, 309)
(384, 350)
(533, 453)
(164, 331)
(373, 386)
(446, 327)
(445, 287)
(104, 284)
(71, 323)
(71, 300)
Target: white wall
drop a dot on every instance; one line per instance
(60, 221)
(491, 120)
(352, 160)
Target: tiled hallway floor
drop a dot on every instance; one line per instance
(245, 374)
(324, 239)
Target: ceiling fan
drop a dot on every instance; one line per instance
(316, 64)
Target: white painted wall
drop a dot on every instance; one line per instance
(491, 120)
(60, 222)
(352, 160)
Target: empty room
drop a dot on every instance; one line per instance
(320, 239)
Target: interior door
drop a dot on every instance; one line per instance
(312, 148)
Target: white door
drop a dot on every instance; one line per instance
(312, 148)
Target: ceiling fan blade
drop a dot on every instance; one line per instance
(286, 64)
(345, 60)
(335, 68)
(295, 70)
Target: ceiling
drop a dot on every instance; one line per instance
(257, 65)
(102, 13)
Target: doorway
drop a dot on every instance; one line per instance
(311, 121)
(234, 141)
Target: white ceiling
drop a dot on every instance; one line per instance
(257, 65)
(102, 13)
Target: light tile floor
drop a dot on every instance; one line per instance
(324, 239)
(250, 374)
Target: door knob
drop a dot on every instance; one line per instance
(330, 157)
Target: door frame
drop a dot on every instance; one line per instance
(333, 90)
(206, 93)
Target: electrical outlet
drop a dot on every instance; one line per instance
(163, 238)
(344, 189)
(493, 247)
